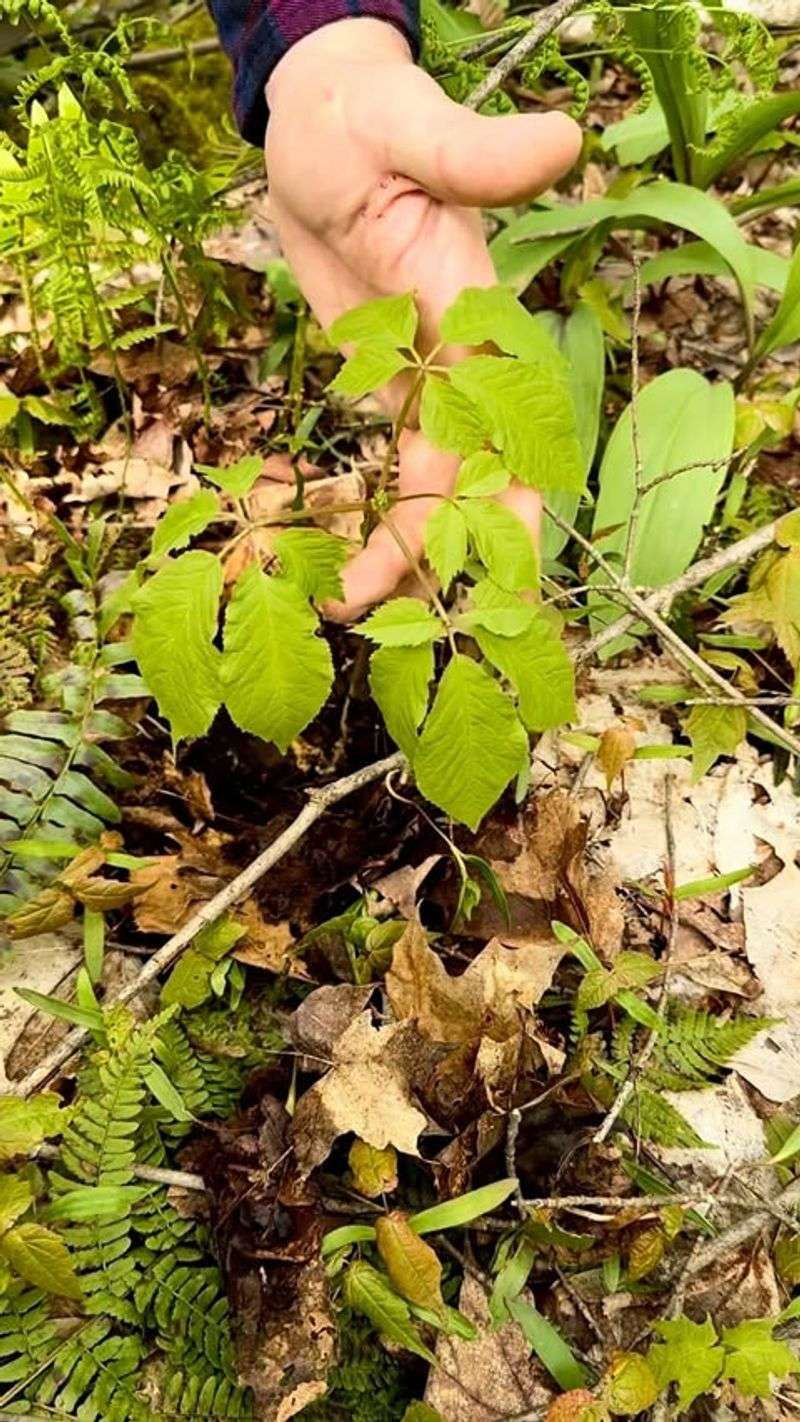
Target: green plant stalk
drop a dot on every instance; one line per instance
(685, 105)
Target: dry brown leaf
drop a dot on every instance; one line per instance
(367, 1091)
(402, 886)
(317, 1024)
(494, 1376)
(168, 888)
(617, 746)
(288, 1355)
(267, 945)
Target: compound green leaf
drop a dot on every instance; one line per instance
(40, 1257)
(538, 667)
(399, 679)
(690, 1356)
(714, 731)
(16, 1195)
(503, 543)
(449, 419)
(529, 412)
(175, 621)
(482, 474)
(366, 371)
(388, 321)
(754, 1359)
(482, 314)
(401, 622)
(472, 744)
(370, 1293)
(446, 542)
(497, 610)
(183, 522)
(236, 479)
(276, 671)
(313, 560)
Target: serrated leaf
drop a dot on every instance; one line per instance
(313, 560)
(16, 1195)
(472, 744)
(25, 1124)
(374, 1171)
(690, 1356)
(399, 679)
(276, 672)
(482, 314)
(401, 622)
(175, 621)
(448, 419)
(236, 479)
(481, 475)
(369, 1292)
(446, 542)
(41, 1258)
(503, 543)
(387, 321)
(754, 1360)
(629, 1387)
(413, 1267)
(538, 666)
(772, 601)
(497, 610)
(529, 411)
(366, 371)
(183, 522)
(714, 731)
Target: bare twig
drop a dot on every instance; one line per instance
(548, 21)
(154, 1175)
(731, 1239)
(512, 1134)
(318, 802)
(155, 58)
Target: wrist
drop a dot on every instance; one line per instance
(360, 40)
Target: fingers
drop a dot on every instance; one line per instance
(463, 157)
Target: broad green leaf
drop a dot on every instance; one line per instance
(767, 268)
(638, 136)
(399, 679)
(401, 622)
(313, 560)
(366, 371)
(684, 504)
(529, 412)
(480, 475)
(753, 121)
(95, 1203)
(189, 983)
(166, 1094)
(344, 1237)
(629, 1386)
(9, 405)
(413, 1267)
(471, 746)
(446, 542)
(236, 479)
(784, 328)
(276, 672)
(714, 731)
(16, 1195)
(94, 939)
(503, 543)
(175, 623)
(511, 1279)
(581, 341)
(497, 610)
(388, 321)
(754, 1360)
(454, 1214)
(369, 1292)
(548, 1345)
(449, 420)
(25, 1124)
(183, 522)
(517, 263)
(40, 1257)
(483, 314)
(86, 1017)
(690, 1356)
(538, 666)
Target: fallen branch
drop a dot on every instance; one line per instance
(318, 802)
(548, 21)
(726, 1244)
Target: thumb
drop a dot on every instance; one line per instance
(466, 158)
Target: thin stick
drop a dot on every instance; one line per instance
(318, 802)
(152, 1173)
(548, 21)
(727, 1243)
(154, 58)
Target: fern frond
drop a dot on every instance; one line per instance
(695, 1047)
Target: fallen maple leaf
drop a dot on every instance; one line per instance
(366, 1092)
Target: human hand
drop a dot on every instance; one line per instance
(376, 181)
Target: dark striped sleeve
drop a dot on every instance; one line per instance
(257, 33)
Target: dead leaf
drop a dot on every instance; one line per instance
(367, 1091)
(617, 746)
(267, 945)
(413, 1267)
(724, 1119)
(323, 1017)
(402, 886)
(169, 887)
(494, 1376)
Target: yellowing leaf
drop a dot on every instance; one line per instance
(714, 731)
(617, 747)
(25, 1124)
(374, 1171)
(174, 625)
(629, 1387)
(15, 1197)
(368, 1292)
(41, 1258)
(411, 1264)
(772, 601)
(50, 909)
(646, 1253)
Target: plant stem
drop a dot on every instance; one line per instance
(548, 21)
